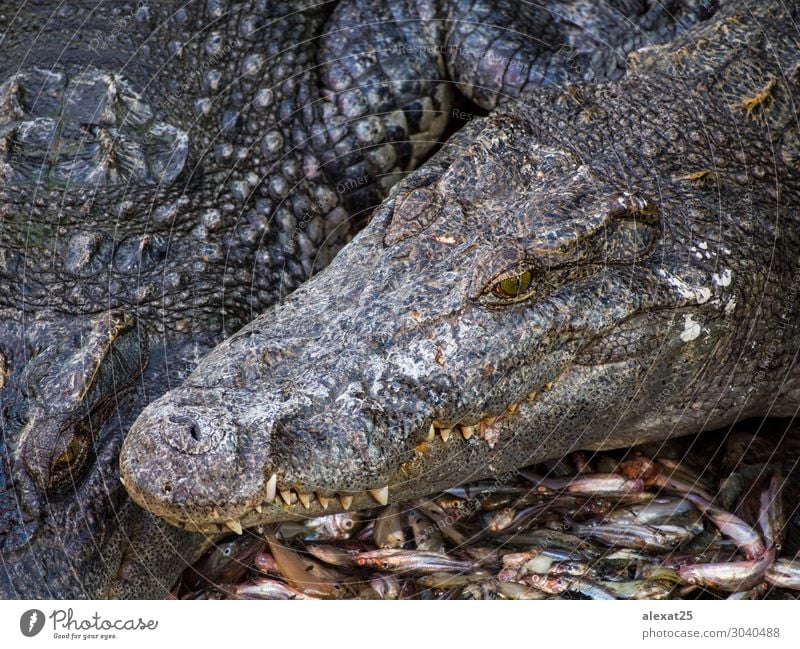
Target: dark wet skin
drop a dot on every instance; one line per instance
(166, 174)
(591, 267)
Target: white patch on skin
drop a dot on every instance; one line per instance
(703, 245)
(699, 295)
(724, 278)
(730, 306)
(691, 330)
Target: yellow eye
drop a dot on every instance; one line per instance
(514, 286)
(69, 455)
(69, 466)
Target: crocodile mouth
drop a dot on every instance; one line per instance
(279, 500)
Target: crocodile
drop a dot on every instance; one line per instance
(590, 267)
(168, 171)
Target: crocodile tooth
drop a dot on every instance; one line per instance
(305, 499)
(547, 386)
(214, 514)
(532, 396)
(486, 423)
(346, 501)
(272, 485)
(258, 508)
(467, 431)
(286, 496)
(381, 495)
(445, 433)
(324, 501)
(234, 526)
(512, 409)
(431, 433)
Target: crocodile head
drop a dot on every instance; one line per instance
(580, 272)
(75, 362)
(165, 174)
(67, 529)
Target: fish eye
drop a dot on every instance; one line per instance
(514, 286)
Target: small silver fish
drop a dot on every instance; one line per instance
(784, 573)
(655, 510)
(268, 589)
(333, 527)
(334, 555)
(499, 520)
(651, 538)
(411, 561)
(306, 573)
(746, 538)
(731, 577)
(444, 522)
(597, 483)
(639, 588)
(453, 580)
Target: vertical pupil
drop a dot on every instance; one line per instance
(71, 452)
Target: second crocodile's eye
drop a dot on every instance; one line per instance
(68, 466)
(69, 455)
(514, 286)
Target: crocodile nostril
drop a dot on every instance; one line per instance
(190, 435)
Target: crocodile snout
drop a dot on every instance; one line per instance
(210, 465)
(204, 463)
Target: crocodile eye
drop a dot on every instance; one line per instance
(515, 286)
(68, 467)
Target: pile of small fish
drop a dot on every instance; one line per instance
(684, 519)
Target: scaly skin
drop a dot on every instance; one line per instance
(652, 228)
(167, 172)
